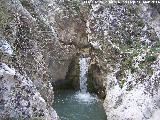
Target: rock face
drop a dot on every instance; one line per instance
(23, 47)
(127, 52)
(95, 81)
(39, 40)
(20, 99)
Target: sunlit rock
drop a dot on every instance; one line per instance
(21, 99)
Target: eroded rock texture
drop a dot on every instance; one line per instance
(127, 39)
(41, 38)
(20, 99)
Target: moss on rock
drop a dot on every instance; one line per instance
(151, 58)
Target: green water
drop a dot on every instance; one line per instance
(72, 105)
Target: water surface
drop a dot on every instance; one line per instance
(71, 105)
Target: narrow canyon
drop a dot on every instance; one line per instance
(79, 60)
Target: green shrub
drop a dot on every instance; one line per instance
(141, 23)
(151, 58)
(121, 83)
(127, 63)
(129, 42)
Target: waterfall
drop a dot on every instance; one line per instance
(84, 63)
(83, 95)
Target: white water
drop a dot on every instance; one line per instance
(83, 95)
(81, 105)
(84, 63)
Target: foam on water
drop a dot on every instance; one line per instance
(81, 105)
(71, 105)
(85, 97)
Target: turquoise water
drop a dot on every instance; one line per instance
(72, 105)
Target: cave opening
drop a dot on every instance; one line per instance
(77, 101)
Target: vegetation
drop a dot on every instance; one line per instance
(121, 83)
(150, 58)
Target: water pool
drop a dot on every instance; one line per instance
(71, 105)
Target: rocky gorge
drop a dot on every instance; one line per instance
(42, 42)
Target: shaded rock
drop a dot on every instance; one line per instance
(95, 81)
